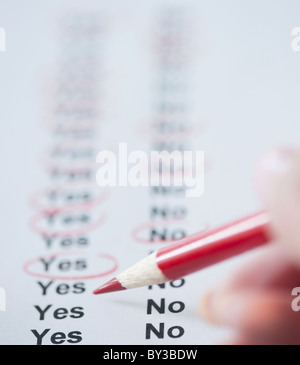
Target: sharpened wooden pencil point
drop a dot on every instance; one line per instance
(193, 253)
(111, 285)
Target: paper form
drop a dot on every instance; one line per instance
(218, 77)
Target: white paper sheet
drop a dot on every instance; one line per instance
(215, 76)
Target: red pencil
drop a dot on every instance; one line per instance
(193, 253)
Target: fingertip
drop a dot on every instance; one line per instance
(219, 308)
(250, 311)
(272, 165)
(284, 210)
(277, 181)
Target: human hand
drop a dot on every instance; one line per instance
(255, 300)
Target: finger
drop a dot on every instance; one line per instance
(238, 339)
(278, 178)
(258, 315)
(272, 165)
(257, 297)
(268, 268)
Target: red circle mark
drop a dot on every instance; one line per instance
(35, 202)
(68, 233)
(151, 224)
(55, 277)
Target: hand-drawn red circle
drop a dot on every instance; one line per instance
(26, 267)
(36, 198)
(63, 233)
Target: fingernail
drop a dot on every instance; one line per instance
(205, 305)
(273, 164)
(221, 309)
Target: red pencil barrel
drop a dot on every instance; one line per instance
(190, 255)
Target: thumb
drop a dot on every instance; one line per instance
(278, 180)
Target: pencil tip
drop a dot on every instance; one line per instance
(111, 285)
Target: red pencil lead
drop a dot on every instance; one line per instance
(111, 285)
